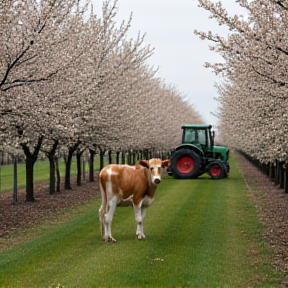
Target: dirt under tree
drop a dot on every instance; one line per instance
(14, 218)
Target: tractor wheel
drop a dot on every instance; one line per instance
(185, 164)
(216, 170)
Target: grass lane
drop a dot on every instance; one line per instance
(41, 174)
(200, 233)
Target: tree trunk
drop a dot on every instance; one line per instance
(101, 160)
(271, 171)
(133, 158)
(129, 158)
(277, 170)
(102, 153)
(117, 157)
(281, 175)
(57, 175)
(30, 179)
(110, 156)
(79, 171)
(145, 154)
(30, 161)
(123, 157)
(91, 165)
(51, 156)
(68, 171)
(68, 166)
(266, 169)
(52, 174)
(139, 155)
(286, 181)
(15, 190)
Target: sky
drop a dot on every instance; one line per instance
(179, 54)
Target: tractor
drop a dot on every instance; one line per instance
(198, 155)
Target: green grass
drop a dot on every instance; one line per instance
(41, 173)
(200, 233)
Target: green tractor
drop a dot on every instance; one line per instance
(198, 155)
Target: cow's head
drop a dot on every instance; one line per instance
(155, 167)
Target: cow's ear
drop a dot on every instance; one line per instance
(166, 163)
(144, 163)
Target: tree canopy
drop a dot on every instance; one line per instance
(253, 93)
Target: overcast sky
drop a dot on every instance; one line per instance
(179, 54)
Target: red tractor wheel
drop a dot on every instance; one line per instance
(185, 164)
(216, 170)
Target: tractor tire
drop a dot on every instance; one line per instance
(216, 170)
(185, 164)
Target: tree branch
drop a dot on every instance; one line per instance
(12, 65)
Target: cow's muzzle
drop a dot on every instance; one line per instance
(157, 181)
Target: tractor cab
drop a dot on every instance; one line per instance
(198, 135)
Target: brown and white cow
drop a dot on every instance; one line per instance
(135, 185)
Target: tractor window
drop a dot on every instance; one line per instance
(190, 136)
(195, 136)
(202, 137)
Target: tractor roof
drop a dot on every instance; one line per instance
(197, 126)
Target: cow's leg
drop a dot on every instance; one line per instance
(102, 211)
(139, 219)
(140, 231)
(108, 219)
(102, 220)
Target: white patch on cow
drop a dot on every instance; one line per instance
(110, 172)
(147, 201)
(127, 199)
(112, 205)
(155, 172)
(137, 212)
(109, 216)
(127, 166)
(125, 202)
(109, 183)
(122, 200)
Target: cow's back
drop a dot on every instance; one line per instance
(124, 180)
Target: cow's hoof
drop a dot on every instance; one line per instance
(141, 237)
(110, 239)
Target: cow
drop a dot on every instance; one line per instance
(124, 185)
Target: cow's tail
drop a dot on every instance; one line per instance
(103, 208)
